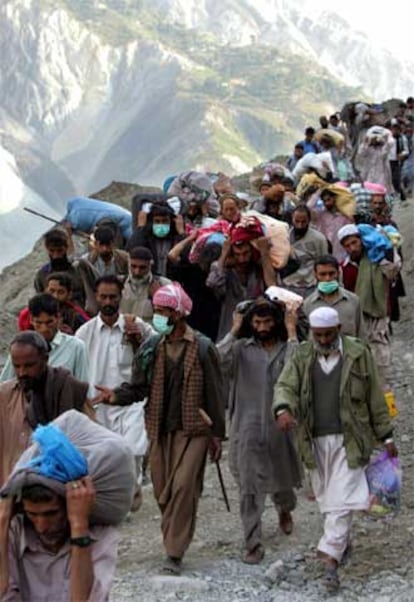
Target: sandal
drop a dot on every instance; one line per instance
(171, 566)
(254, 556)
(331, 579)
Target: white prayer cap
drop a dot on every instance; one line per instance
(348, 230)
(324, 317)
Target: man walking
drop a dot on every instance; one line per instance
(38, 394)
(330, 389)
(262, 459)
(111, 340)
(307, 245)
(141, 284)
(330, 294)
(371, 282)
(179, 371)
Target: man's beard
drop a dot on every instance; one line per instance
(32, 383)
(60, 264)
(141, 279)
(109, 310)
(300, 232)
(326, 349)
(265, 336)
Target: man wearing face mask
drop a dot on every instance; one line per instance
(180, 373)
(307, 244)
(141, 284)
(159, 230)
(330, 390)
(330, 294)
(57, 245)
(111, 339)
(37, 394)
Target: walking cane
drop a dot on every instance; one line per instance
(223, 488)
(206, 418)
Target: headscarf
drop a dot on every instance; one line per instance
(173, 296)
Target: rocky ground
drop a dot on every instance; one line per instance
(381, 567)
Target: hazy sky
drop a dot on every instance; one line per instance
(393, 25)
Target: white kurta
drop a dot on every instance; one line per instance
(110, 364)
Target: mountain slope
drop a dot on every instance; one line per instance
(135, 90)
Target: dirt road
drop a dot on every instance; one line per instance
(381, 568)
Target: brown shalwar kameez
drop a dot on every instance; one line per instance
(179, 380)
(177, 468)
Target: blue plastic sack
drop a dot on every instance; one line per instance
(84, 213)
(384, 481)
(59, 459)
(375, 243)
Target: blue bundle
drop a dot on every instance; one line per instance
(59, 458)
(375, 242)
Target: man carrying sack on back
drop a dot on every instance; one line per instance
(179, 371)
(49, 548)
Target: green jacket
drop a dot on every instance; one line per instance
(363, 410)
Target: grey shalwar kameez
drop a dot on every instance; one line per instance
(262, 459)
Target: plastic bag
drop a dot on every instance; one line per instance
(384, 477)
(59, 458)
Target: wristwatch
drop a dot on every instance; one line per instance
(81, 542)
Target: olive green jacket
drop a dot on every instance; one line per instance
(363, 410)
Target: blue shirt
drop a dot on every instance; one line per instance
(66, 352)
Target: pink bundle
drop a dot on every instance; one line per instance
(203, 234)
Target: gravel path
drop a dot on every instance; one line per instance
(381, 567)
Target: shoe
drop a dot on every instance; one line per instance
(172, 566)
(286, 522)
(330, 580)
(254, 556)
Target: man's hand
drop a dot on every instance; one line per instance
(133, 331)
(286, 422)
(142, 218)
(237, 322)
(153, 287)
(391, 449)
(179, 224)
(291, 321)
(80, 499)
(6, 512)
(263, 245)
(105, 395)
(214, 449)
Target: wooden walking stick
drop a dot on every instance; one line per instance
(206, 418)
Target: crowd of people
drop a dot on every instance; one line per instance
(263, 316)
